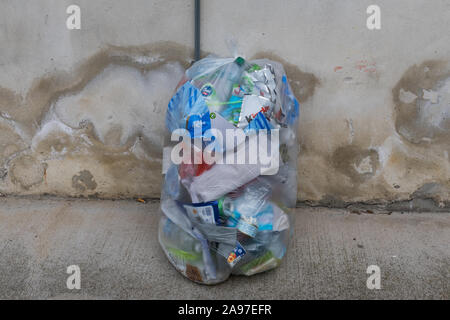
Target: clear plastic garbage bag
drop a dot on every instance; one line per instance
(230, 169)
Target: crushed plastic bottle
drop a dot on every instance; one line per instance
(229, 215)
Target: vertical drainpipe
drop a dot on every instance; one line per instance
(197, 30)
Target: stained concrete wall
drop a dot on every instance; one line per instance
(81, 111)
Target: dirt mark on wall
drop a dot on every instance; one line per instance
(422, 103)
(27, 172)
(22, 121)
(356, 163)
(48, 89)
(83, 181)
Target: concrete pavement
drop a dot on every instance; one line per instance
(115, 245)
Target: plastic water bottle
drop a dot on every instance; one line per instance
(242, 207)
(229, 76)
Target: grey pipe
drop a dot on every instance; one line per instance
(197, 30)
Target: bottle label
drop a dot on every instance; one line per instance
(207, 90)
(236, 255)
(247, 228)
(207, 212)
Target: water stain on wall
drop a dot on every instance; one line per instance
(32, 130)
(47, 90)
(422, 103)
(9, 101)
(83, 181)
(413, 167)
(27, 171)
(357, 163)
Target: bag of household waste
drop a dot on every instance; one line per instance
(229, 166)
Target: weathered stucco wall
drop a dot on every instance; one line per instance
(81, 111)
